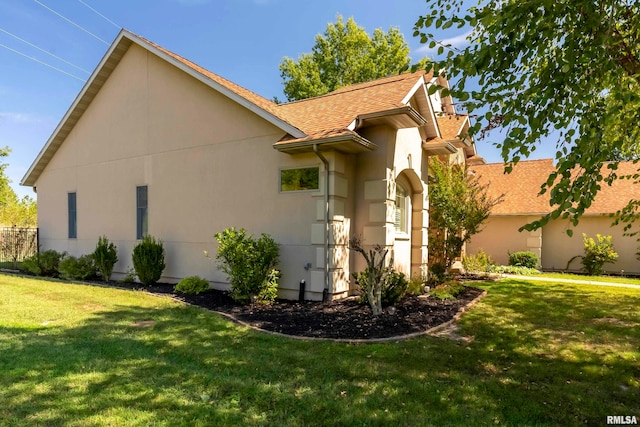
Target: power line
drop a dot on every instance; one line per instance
(42, 50)
(71, 22)
(101, 15)
(43, 63)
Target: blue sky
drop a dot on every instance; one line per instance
(242, 40)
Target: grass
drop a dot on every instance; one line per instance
(611, 279)
(541, 354)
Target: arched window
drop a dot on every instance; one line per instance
(402, 209)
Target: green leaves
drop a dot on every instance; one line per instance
(250, 264)
(345, 54)
(458, 207)
(551, 68)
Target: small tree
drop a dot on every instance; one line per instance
(105, 257)
(148, 260)
(372, 278)
(458, 205)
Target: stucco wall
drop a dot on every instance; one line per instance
(208, 164)
(559, 248)
(399, 153)
(500, 236)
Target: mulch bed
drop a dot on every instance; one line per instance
(342, 319)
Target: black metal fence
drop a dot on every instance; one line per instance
(16, 244)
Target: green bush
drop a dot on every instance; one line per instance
(394, 286)
(105, 257)
(524, 259)
(82, 268)
(449, 290)
(250, 264)
(416, 285)
(597, 253)
(478, 263)
(438, 273)
(192, 285)
(43, 263)
(148, 260)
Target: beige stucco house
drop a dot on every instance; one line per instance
(156, 144)
(522, 204)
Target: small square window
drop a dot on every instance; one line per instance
(300, 179)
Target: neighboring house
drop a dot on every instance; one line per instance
(156, 144)
(522, 204)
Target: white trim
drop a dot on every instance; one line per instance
(431, 110)
(74, 105)
(413, 90)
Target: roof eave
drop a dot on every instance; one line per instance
(399, 118)
(438, 148)
(276, 121)
(351, 144)
(108, 62)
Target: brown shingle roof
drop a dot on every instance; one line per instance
(522, 185)
(337, 110)
(327, 114)
(451, 126)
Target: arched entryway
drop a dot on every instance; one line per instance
(409, 249)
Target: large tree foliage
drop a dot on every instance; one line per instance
(567, 69)
(14, 211)
(458, 205)
(345, 54)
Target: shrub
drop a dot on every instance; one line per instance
(394, 286)
(597, 253)
(43, 263)
(478, 263)
(250, 264)
(105, 257)
(82, 268)
(148, 260)
(192, 285)
(524, 259)
(416, 285)
(448, 290)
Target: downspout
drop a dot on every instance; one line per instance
(324, 160)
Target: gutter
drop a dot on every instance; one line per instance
(327, 284)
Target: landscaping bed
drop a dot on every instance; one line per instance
(340, 319)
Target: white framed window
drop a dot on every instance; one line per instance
(403, 209)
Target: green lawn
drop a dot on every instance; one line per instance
(611, 279)
(540, 354)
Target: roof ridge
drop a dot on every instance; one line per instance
(359, 86)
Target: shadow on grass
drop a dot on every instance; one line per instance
(528, 364)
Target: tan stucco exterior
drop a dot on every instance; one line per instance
(209, 163)
(500, 236)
